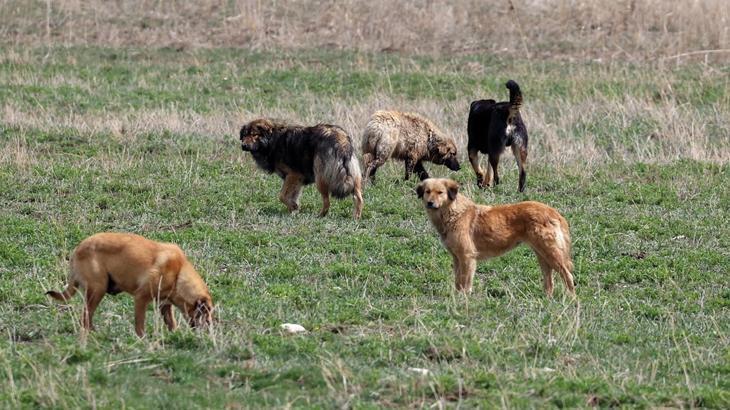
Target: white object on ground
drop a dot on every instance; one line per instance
(293, 328)
(422, 372)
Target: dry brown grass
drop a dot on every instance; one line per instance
(676, 131)
(634, 30)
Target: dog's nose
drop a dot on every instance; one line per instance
(429, 204)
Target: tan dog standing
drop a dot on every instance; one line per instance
(148, 270)
(471, 232)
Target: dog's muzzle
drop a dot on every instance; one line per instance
(431, 205)
(453, 165)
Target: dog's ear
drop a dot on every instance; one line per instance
(452, 188)
(419, 190)
(265, 126)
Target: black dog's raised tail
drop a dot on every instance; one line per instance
(515, 95)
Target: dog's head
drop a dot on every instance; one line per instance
(200, 313)
(255, 133)
(444, 153)
(437, 192)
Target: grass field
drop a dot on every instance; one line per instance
(635, 157)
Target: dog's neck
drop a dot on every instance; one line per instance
(446, 216)
(189, 286)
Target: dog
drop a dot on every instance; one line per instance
(471, 232)
(111, 263)
(322, 154)
(407, 137)
(492, 126)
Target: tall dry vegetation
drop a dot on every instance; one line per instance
(633, 30)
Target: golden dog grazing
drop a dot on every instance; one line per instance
(148, 270)
(471, 231)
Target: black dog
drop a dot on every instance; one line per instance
(322, 154)
(494, 126)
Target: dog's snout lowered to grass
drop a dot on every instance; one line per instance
(471, 232)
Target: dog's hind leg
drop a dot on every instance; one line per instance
(324, 190)
(367, 159)
(494, 164)
(357, 198)
(474, 161)
(371, 169)
(168, 316)
(558, 261)
(93, 297)
(521, 159)
(547, 275)
(567, 277)
(141, 300)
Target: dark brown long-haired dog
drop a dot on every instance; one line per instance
(408, 137)
(322, 154)
(471, 232)
(148, 270)
(492, 127)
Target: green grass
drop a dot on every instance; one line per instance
(651, 250)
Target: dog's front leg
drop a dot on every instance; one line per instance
(140, 308)
(324, 191)
(421, 171)
(465, 267)
(291, 191)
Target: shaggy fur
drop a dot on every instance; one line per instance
(148, 270)
(492, 127)
(322, 154)
(471, 232)
(407, 137)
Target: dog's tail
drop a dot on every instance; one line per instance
(72, 286)
(67, 294)
(515, 96)
(341, 170)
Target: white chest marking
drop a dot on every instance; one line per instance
(509, 130)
